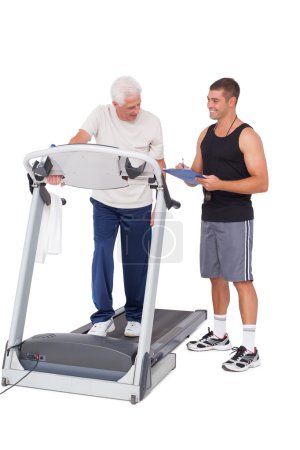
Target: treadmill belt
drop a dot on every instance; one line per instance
(164, 321)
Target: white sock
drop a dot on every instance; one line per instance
(249, 336)
(219, 325)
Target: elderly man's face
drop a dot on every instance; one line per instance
(130, 109)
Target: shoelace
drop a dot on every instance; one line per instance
(240, 351)
(209, 334)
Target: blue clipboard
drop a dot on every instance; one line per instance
(187, 175)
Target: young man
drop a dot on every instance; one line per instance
(125, 125)
(230, 154)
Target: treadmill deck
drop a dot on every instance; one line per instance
(109, 357)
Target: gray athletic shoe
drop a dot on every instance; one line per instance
(242, 360)
(210, 342)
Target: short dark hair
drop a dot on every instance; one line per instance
(229, 85)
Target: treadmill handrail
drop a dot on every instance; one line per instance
(93, 148)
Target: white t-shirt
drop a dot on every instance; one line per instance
(143, 135)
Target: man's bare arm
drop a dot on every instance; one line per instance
(82, 137)
(161, 163)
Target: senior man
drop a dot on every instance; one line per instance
(125, 125)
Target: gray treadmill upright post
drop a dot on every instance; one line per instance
(151, 285)
(25, 275)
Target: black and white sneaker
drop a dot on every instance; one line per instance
(209, 342)
(242, 360)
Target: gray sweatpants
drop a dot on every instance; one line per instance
(226, 250)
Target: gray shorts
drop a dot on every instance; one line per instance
(226, 250)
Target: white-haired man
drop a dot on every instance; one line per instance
(125, 125)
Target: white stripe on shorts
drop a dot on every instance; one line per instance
(247, 250)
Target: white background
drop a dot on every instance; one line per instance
(58, 60)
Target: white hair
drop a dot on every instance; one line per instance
(124, 87)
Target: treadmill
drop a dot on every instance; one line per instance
(113, 366)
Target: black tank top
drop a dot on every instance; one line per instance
(222, 157)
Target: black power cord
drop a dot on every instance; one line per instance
(37, 358)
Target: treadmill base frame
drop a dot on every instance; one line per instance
(88, 386)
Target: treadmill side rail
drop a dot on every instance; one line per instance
(90, 386)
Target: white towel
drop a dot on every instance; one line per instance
(50, 236)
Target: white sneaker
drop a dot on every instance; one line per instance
(133, 329)
(102, 328)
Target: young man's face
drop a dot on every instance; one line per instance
(130, 109)
(217, 104)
